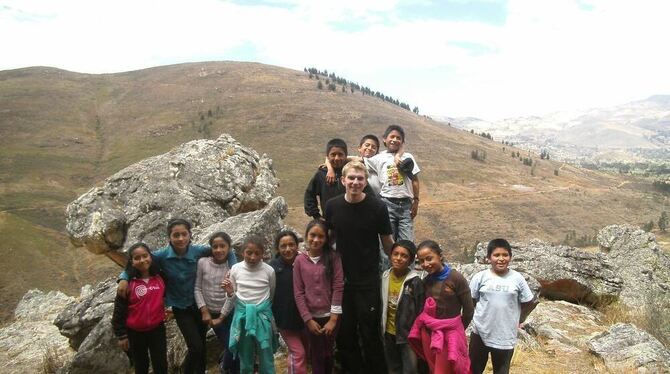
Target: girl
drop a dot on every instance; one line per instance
(402, 300)
(210, 297)
(438, 334)
(503, 301)
(318, 283)
(284, 309)
(178, 263)
(250, 287)
(138, 317)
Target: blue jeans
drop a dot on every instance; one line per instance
(400, 358)
(400, 215)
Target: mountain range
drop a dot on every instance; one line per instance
(638, 131)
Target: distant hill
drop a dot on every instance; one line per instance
(61, 133)
(635, 131)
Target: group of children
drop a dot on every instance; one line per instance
(299, 294)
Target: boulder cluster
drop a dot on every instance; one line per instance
(221, 185)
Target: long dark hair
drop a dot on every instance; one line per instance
(326, 250)
(130, 269)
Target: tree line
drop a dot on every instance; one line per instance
(332, 80)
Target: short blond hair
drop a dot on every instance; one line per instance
(355, 165)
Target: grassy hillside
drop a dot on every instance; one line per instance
(63, 132)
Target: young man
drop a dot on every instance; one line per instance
(399, 182)
(357, 222)
(336, 153)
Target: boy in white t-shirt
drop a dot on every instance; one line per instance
(503, 300)
(397, 173)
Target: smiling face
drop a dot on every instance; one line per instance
(354, 182)
(252, 254)
(141, 260)
(220, 250)
(393, 141)
(500, 259)
(287, 248)
(429, 260)
(400, 259)
(179, 238)
(368, 148)
(316, 238)
(337, 157)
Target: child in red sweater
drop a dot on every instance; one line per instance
(138, 318)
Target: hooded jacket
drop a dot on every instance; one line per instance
(410, 303)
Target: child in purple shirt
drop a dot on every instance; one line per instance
(318, 283)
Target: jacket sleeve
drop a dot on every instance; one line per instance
(338, 284)
(419, 295)
(197, 293)
(119, 317)
(310, 200)
(299, 291)
(465, 296)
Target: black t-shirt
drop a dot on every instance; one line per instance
(357, 227)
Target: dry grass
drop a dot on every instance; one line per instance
(61, 133)
(51, 361)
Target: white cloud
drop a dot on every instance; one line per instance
(547, 56)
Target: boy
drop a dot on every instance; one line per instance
(402, 300)
(367, 147)
(397, 172)
(336, 153)
(358, 221)
(502, 300)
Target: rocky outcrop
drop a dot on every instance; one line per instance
(640, 262)
(205, 181)
(564, 327)
(31, 342)
(565, 273)
(262, 224)
(624, 347)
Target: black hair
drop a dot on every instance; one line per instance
(371, 137)
(396, 128)
(327, 250)
(130, 269)
(498, 243)
(432, 245)
(336, 142)
(176, 222)
(282, 234)
(255, 240)
(222, 235)
(408, 245)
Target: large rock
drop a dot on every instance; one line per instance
(640, 262)
(564, 327)
(31, 343)
(204, 181)
(78, 319)
(565, 273)
(262, 224)
(624, 347)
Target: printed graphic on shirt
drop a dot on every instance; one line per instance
(393, 176)
(140, 290)
(497, 287)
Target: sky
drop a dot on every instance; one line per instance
(489, 59)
